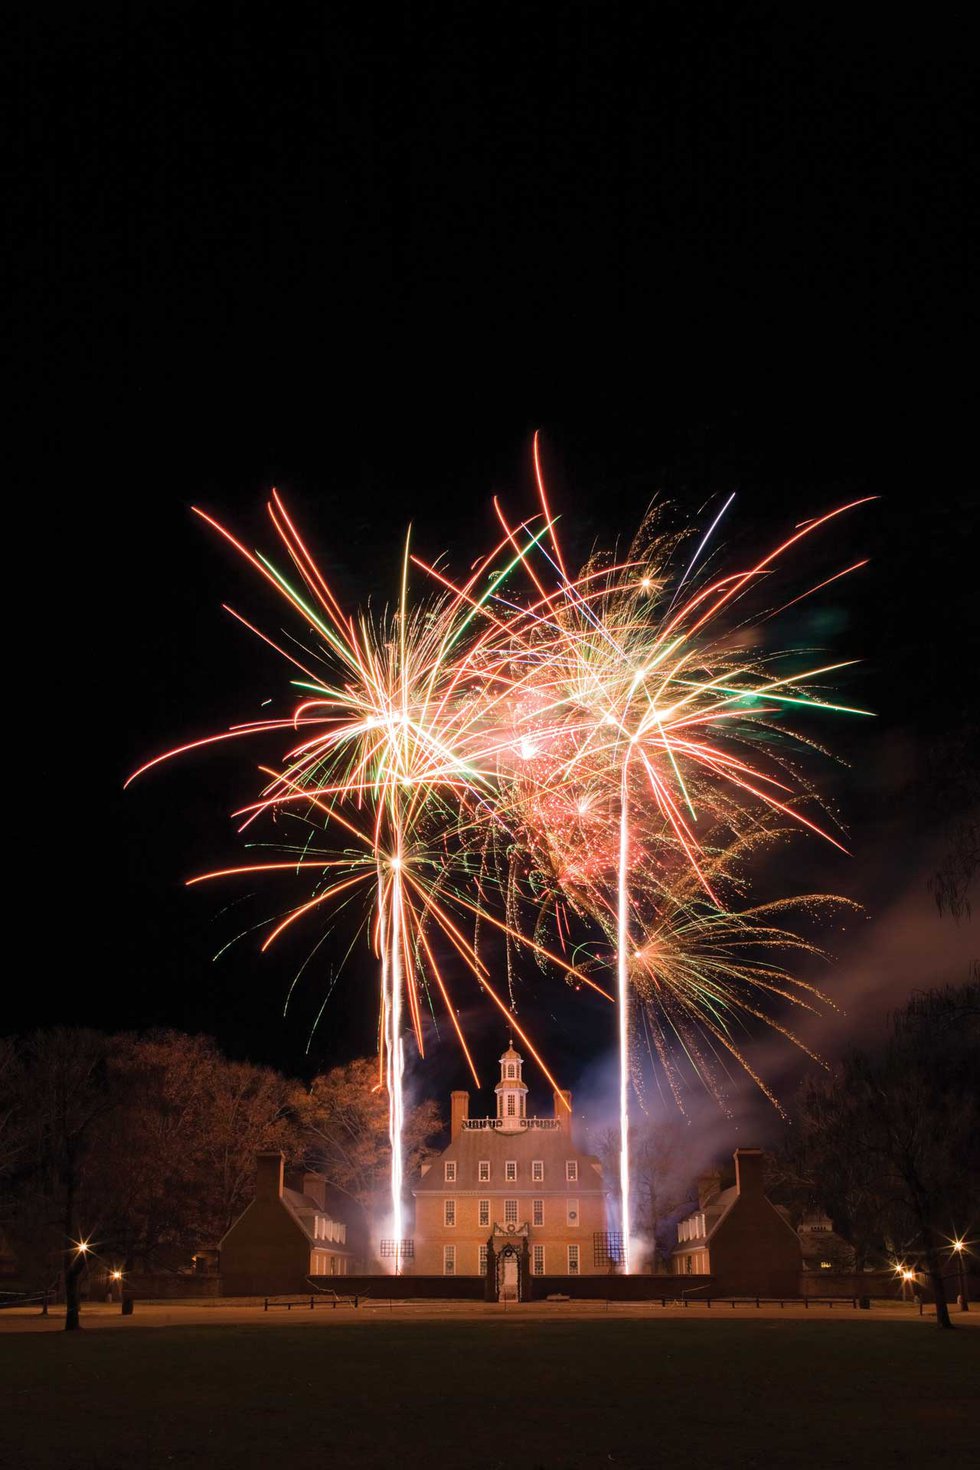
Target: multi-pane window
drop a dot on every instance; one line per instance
(449, 1260)
(571, 1170)
(573, 1260)
(537, 1170)
(511, 1069)
(571, 1210)
(451, 1171)
(511, 1105)
(483, 1260)
(537, 1212)
(484, 1170)
(484, 1211)
(537, 1262)
(510, 1212)
(510, 1170)
(450, 1212)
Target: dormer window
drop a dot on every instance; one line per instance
(571, 1170)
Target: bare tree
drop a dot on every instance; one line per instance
(904, 1124)
(660, 1173)
(344, 1117)
(65, 1093)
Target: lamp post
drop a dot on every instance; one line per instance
(959, 1248)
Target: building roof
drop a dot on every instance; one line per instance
(551, 1145)
(304, 1210)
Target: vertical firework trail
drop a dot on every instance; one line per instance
(622, 1001)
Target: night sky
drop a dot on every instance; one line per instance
(361, 253)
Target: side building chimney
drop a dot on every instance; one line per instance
(268, 1175)
(315, 1186)
(459, 1112)
(748, 1170)
(563, 1112)
(709, 1187)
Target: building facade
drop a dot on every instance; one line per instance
(283, 1237)
(738, 1237)
(511, 1196)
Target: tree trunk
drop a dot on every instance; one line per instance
(73, 1282)
(935, 1270)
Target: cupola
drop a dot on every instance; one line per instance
(511, 1091)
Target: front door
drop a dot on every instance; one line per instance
(508, 1278)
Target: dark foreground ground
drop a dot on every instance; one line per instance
(481, 1394)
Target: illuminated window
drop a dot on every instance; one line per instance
(826, 1265)
(510, 1212)
(451, 1172)
(537, 1266)
(537, 1171)
(484, 1170)
(571, 1170)
(537, 1212)
(449, 1260)
(573, 1260)
(511, 1070)
(484, 1209)
(450, 1217)
(571, 1209)
(510, 1170)
(483, 1260)
(511, 1105)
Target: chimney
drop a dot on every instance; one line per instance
(459, 1111)
(315, 1186)
(563, 1112)
(748, 1170)
(268, 1175)
(709, 1185)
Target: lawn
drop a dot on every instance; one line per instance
(516, 1395)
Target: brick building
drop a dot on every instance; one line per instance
(738, 1237)
(284, 1236)
(511, 1196)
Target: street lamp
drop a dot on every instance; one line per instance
(959, 1248)
(906, 1276)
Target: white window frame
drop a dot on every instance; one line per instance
(510, 1211)
(537, 1171)
(573, 1254)
(537, 1260)
(450, 1171)
(449, 1209)
(511, 1105)
(510, 1171)
(449, 1260)
(537, 1212)
(482, 1260)
(572, 1215)
(483, 1214)
(571, 1171)
(484, 1171)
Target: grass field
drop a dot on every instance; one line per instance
(484, 1394)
